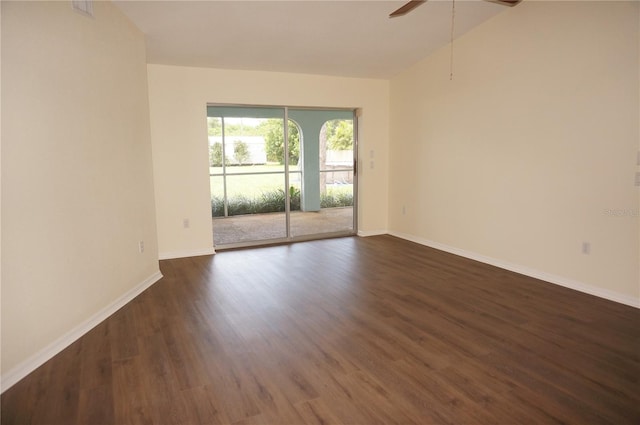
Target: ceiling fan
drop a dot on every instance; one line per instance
(415, 3)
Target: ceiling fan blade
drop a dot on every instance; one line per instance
(407, 8)
(510, 3)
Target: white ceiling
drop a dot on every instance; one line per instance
(330, 37)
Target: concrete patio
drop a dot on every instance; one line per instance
(262, 227)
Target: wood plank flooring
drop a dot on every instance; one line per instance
(344, 331)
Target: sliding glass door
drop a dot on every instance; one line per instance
(271, 183)
(327, 186)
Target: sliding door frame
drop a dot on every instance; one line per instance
(289, 237)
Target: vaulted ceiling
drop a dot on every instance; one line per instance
(330, 37)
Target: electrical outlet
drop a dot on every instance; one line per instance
(404, 210)
(586, 248)
(141, 247)
(185, 223)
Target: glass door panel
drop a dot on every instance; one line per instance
(255, 211)
(246, 150)
(327, 180)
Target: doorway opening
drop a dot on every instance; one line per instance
(273, 183)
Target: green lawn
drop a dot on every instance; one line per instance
(252, 186)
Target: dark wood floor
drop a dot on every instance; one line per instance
(355, 330)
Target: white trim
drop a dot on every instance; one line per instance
(30, 364)
(537, 274)
(183, 254)
(365, 234)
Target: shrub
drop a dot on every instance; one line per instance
(335, 199)
(241, 205)
(271, 201)
(294, 196)
(268, 202)
(215, 155)
(241, 152)
(217, 207)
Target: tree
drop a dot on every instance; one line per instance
(340, 135)
(215, 154)
(241, 151)
(215, 126)
(273, 132)
(231, 129)
(335, 135)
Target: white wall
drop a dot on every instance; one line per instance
(531, 150)
(0, 188)
(77, 183)
(178, 97)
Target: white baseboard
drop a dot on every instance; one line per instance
(368, 233)
(537, 274)
(30, 364)
(184, 254)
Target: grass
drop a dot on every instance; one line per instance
(241, 184)
(249, 185)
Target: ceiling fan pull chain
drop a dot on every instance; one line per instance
(453, 21)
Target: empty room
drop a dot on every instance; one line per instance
(320, 212)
